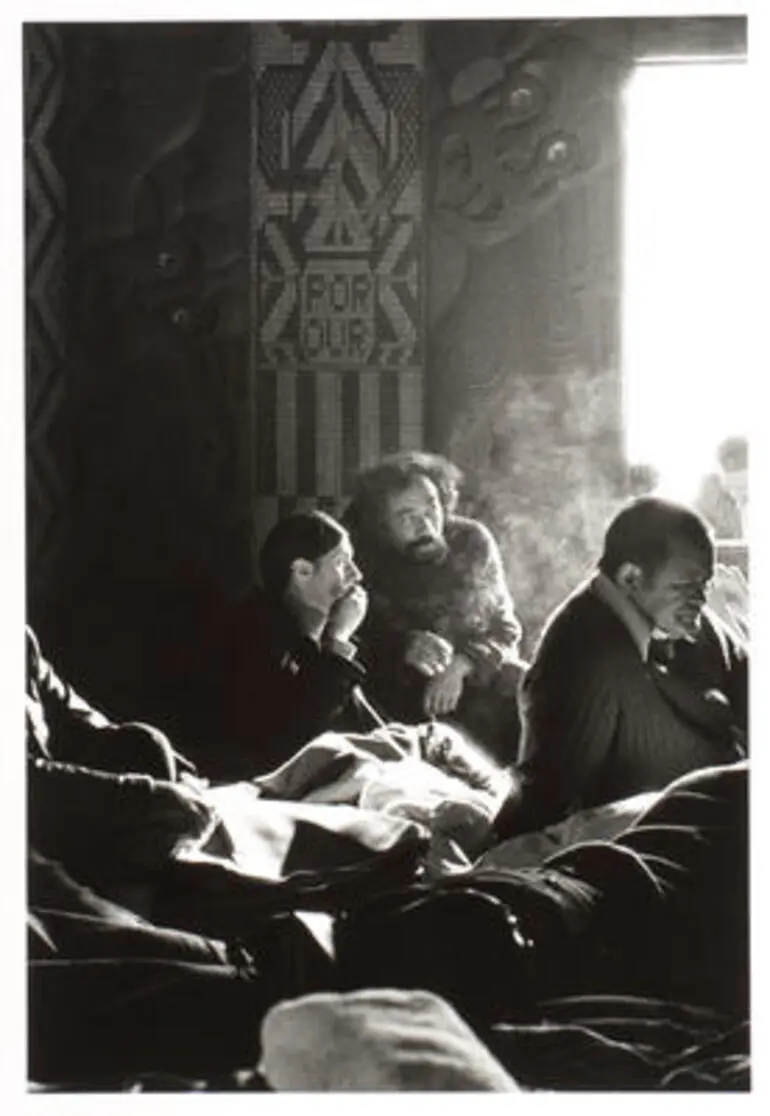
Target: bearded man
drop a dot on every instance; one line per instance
(440, 639)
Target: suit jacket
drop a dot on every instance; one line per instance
(262, 690)
(600, 723)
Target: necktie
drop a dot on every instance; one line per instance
(661, 651)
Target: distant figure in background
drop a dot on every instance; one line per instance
(281, 667)
(609, 710)
(723, 502)
(441, 637)
(723, 496)
(643, 479)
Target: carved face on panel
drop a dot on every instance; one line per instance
(509, 138)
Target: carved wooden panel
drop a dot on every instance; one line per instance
(524, 203)
(46, 349)
(154, 131)
(524, 385)
(337, 256)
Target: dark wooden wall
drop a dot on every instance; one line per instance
(150, 382)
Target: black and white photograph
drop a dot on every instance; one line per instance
(385, 389)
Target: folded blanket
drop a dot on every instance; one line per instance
(625, 1043)
(271, 857)
(601, 823)
(273, 840)
(455, 794)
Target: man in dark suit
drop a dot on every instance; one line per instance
(281, 666)
(634, 682)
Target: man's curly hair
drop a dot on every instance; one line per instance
(394, 473)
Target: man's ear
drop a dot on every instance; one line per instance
(302, 569)
(629, 576)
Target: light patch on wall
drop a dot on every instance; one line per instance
(687, 367)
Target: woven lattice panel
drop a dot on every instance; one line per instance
(337, 256)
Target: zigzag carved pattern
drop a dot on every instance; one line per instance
(44, 244)
(339, 179)
(338, 257)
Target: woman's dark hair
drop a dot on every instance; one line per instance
(309, 535)
(645, 532)
(393, 474)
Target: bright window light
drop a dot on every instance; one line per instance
(687, 234)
